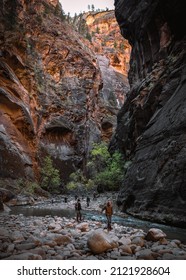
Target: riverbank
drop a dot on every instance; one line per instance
(55, 237)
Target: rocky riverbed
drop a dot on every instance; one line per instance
(59, 238)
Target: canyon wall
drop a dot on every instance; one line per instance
(151, 124)
(51, 100)
(50, 80)
(113, 55)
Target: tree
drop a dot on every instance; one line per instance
(108, 170)
(68, 17)
(88, 37)
(93, 8)
(50, 178)
(115, 44)
(89, 7)
(97, 30)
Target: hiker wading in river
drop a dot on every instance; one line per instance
(108, 212)
(78, 210)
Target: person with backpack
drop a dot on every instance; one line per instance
(108, 212)
(78, 210)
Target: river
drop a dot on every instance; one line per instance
(128, 221)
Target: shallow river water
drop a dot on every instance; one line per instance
(128, 221)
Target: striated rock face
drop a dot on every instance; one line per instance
(113, 55)
(49, 90)
(151, 124)
(107, 39)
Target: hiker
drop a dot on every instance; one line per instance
(78, 210)
(108, 212)
(88, 201)
(94, 195)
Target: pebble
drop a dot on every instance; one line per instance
(61, 238)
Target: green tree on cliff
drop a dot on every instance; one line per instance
(50, 178)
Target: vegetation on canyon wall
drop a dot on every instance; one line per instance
(104, 172)
(59, 92)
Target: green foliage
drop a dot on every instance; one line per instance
(88, 37)
(90, 185)
(32, 187)
(77, 176)
(79, 183)
(49, 175)
(26, 186)
(115, 44)
(71, 186)
(100, 152)
(109, 169)
(92, 8)
(97, 30)
(104, 171)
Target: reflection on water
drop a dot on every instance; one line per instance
(37, 211)
(129, 221)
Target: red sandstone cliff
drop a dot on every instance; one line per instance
(49, 84)
(50, 91)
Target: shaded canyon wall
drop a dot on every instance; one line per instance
(151, 125)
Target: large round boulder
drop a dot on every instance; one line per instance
(155, 234)
(99, 242)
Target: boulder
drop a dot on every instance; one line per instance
(25, 256)
(125, 241)
(139, 241)
(62, 239)
(155, 234)
(99, 242)
(145, 254)
(126, 249)
(5, 195)
(83, 227)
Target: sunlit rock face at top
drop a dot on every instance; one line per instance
(113, 54)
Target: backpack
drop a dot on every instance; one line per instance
(108, 210)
